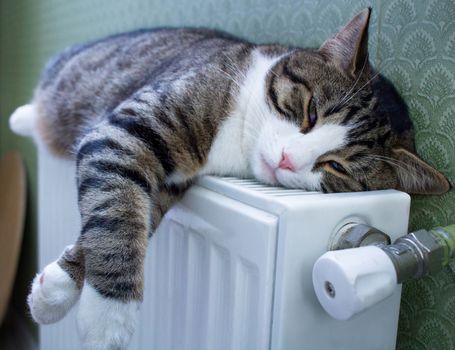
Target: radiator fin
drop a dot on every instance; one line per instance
(245, 309)
(220, 320)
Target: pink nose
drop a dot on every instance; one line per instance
(285, 163)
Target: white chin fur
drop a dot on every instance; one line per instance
(53, 294)
(105, 323)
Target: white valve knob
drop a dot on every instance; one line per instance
(350, 280)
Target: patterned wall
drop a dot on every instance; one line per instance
(412, 42)
(417, 51)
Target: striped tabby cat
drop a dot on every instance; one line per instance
(144, 113)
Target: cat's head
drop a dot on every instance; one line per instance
(335, 125)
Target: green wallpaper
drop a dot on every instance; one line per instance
(417, 51)
(412, 42)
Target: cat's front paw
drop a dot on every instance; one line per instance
(105, 323)
(53, 294)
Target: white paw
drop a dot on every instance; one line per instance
(53, 293)
(105, 323)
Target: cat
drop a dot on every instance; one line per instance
(144, 113)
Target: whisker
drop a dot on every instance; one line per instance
(353, 85)
(343, 103)
(350, 98)
(404, 166)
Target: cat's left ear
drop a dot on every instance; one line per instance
(417, 177)
(348, 49)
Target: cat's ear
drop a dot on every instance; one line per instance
(417, 177)
(348, 49)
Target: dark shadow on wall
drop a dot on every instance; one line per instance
(15, 89)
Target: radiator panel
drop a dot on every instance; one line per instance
(230, 266)
(202, 290)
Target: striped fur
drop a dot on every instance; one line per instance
(144, 113)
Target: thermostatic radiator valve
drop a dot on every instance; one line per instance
(365, 269)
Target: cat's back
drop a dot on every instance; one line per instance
(119, 52)
(85, 82)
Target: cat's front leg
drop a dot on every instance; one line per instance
(114, 250)
(116, 193)
(108, 315)
(121, 178)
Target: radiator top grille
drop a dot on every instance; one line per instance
(260, 187)
(277, 199)
(254, 193)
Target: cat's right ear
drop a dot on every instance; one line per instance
(348, 49)
(416, 176)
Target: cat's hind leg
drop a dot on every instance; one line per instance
(57, 288)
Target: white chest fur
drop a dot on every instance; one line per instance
(231, 150)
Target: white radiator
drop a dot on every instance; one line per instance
(230, 266)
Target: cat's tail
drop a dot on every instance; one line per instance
(27, 120)
(23, 120)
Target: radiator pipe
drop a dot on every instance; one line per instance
(422, 252)
(365, 268)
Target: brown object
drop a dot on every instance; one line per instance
(12, 214)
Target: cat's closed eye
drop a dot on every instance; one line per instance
(333, 167)
(337, 167)
(311, 116)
